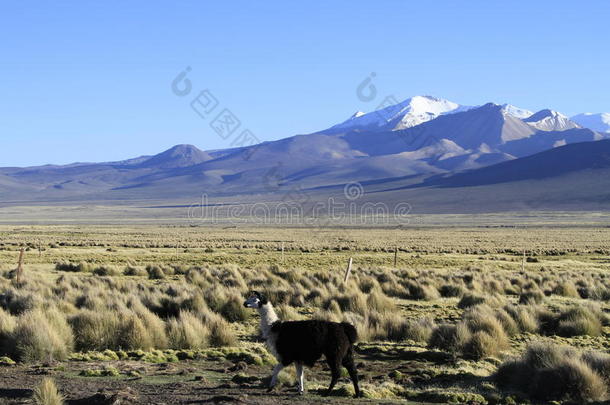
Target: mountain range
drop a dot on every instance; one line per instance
(421, 143)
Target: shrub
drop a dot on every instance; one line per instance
(480, 345)
(46, 393)
(132, 334)
(155, 272)
(106, 271)
(377, 301)
(483, 318)
(155, 327)
(221, 334)
(95, 330)
(579, 321)
(470, 300)
(531, 297)
(233, 309)
(7, 324)
(525, 318)
(18, 302)
(566, 289)
(187, 332)
(135, 271)
(100, 330)
(451, 338)
(350, 302)
(599, 362)
(418, 330)
(287, 313)
(569, 379)
(333, 306)
(549, 372)
(451, 290)
(66, 266)
(422, 292)
(41, 336)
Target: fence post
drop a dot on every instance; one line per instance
(348, 270)
(523, 261)
(395, 256)
(19, 270)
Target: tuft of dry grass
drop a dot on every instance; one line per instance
(187, 332)
(41, 336)
(566, 289)
(233, 309)
(46, 393)
(451, 338)
(548, 372)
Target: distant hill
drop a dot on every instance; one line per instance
(597, 122)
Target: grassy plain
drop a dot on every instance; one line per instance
(152, 314)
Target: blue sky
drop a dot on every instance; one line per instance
(91, 81)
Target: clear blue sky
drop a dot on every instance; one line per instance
(90, 80)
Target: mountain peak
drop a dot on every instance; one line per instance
(517, 112)
(549, 120)
(182, 155)
(545, 113)
(408, 113)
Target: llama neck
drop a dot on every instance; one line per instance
(268, 317)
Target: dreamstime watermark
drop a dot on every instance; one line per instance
(331, 211)
(225, 123)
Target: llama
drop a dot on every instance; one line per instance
(304, 342)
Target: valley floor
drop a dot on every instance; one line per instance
(534, 283)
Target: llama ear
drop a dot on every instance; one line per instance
(262, 298)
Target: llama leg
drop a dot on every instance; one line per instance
(300, 379)
(348, 363)
(276, 371)
(334, 365)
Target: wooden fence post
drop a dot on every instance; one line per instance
(523, 261)
(395, 256)
(19, 271)
(348, 270)
(282, 252)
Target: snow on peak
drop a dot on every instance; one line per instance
(357, 114)
(516, 112)
(596, 121)
(409, 113)
(549, 120)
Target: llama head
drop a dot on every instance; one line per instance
(255, 300)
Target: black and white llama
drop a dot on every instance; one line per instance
(304, 342)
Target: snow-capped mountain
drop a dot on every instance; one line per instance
(417, 138)
(598, 122)
(409, 113)
(549, 120)
(516, 112)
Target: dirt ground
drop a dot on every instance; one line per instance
(222, 382)
(185, 382)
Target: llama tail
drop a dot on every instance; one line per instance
(350, 331)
